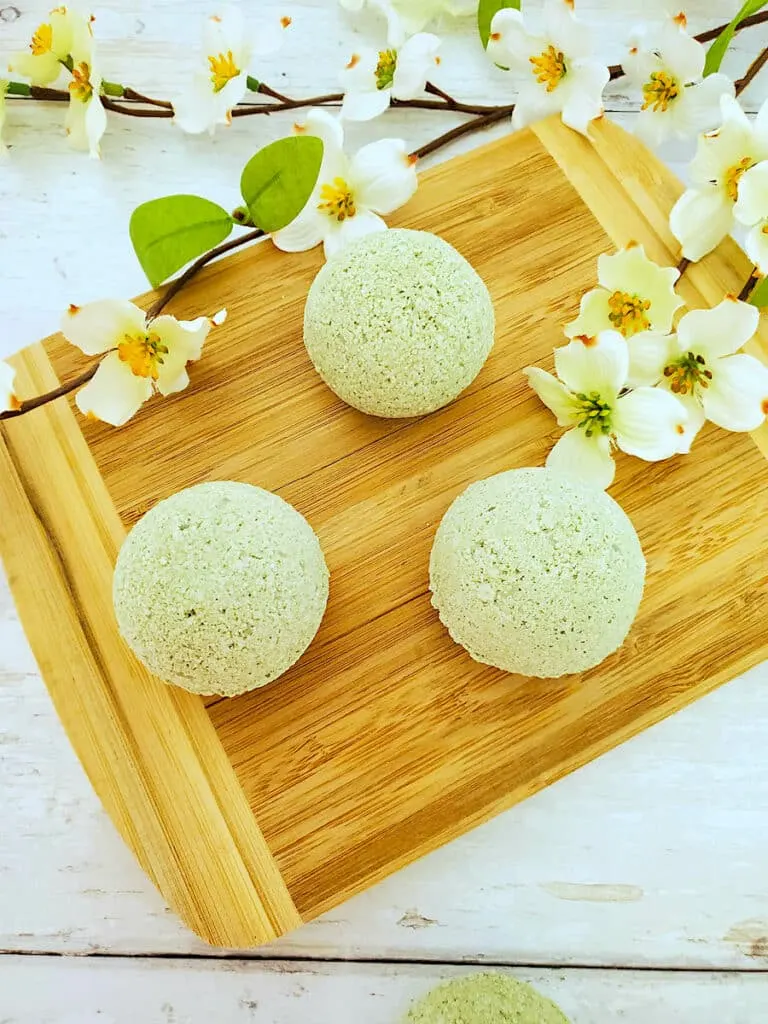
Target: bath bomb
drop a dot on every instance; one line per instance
(398, 324)
(536, 573)
(220, 588)
(487, 998)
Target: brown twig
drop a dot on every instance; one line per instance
(683, 265)
(752, 71)
(247, 109)
(455, 106)
(475, 125)
(138, 97)
(118, 108)
(51, 396)
(435, 90)
(749, 286)
(267, 90)
(178, 283)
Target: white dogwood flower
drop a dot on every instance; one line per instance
(635, 295)
(86, 119)
(221, 81)
(352, 193)
(49, 48)
(8, 399)
(142, 356)
(704, 214)
(373, 77)
(752, 209)
(668, 65)
(562, 75)
(704, 369)
(588, 399)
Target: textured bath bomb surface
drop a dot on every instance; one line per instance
(220, 588)
(487, 998)
(536, 573)
(398, 324)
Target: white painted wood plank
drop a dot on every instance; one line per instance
(652, 855)
(41, 990)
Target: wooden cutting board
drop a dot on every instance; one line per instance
(257, 813)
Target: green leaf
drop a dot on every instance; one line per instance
(717, 50)
(167, 233)
(485, 12)
(759, 296)
(277, 182)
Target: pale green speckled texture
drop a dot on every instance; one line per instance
(536, 573)
(487, 998)
(398, 324)
(220, 588)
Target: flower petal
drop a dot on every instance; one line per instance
(553, 394)
(364, 106)
(8, 398)
(649, 353)
(585, 83)
(383, 176)
(415, 60)
(341, 234)
(598, 364)
(756, 245)
(720, 331)
(630, 271)
(752, 203)
(510, 41)
(593, 315)
(534, 103)
(737, 398)
(698, 108)
(305, 232)
(326, 127)
(565, 30)
(587, 458)
(359, 74)
(185, 340)
(115, 393)
(693, 424)
(198, 109)
(700, 220)
(649, 423)
(41, 69)
(99, 326)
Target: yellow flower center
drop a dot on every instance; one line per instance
(595, 414)
(659, 91)
(549, 67)
(385, 69)
(734, 175)
(688, 373)
(337, 200)
(80, 86)
(223, 70)
(144, 353)
(42, 40)
(628, 312)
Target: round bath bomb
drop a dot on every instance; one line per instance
(220, 588)
(398, 324)
(487, 998)
(536, 573)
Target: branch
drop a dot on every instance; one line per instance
(752, 71)
(475, 125)
(51, 396)
(749, 285)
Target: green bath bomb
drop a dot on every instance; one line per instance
(220, 588)
(398, 324)
(535, 573)
(487, 998)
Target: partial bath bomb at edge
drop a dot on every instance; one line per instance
(536, 573)
(485, 998)
(398, 324)
(220, 588)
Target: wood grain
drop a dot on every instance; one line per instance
(386, 740)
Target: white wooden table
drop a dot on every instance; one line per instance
(635, 890)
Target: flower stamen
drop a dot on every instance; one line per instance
(659, 91)
(80, 86)
(144, 353)
(734, 175)
(628, 313)
(385, 69)
(42, 40)
(687, 373)
(594, 414)
(223, 69)
(338, 200)
(549, 67)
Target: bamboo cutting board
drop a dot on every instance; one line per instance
(257, 813)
